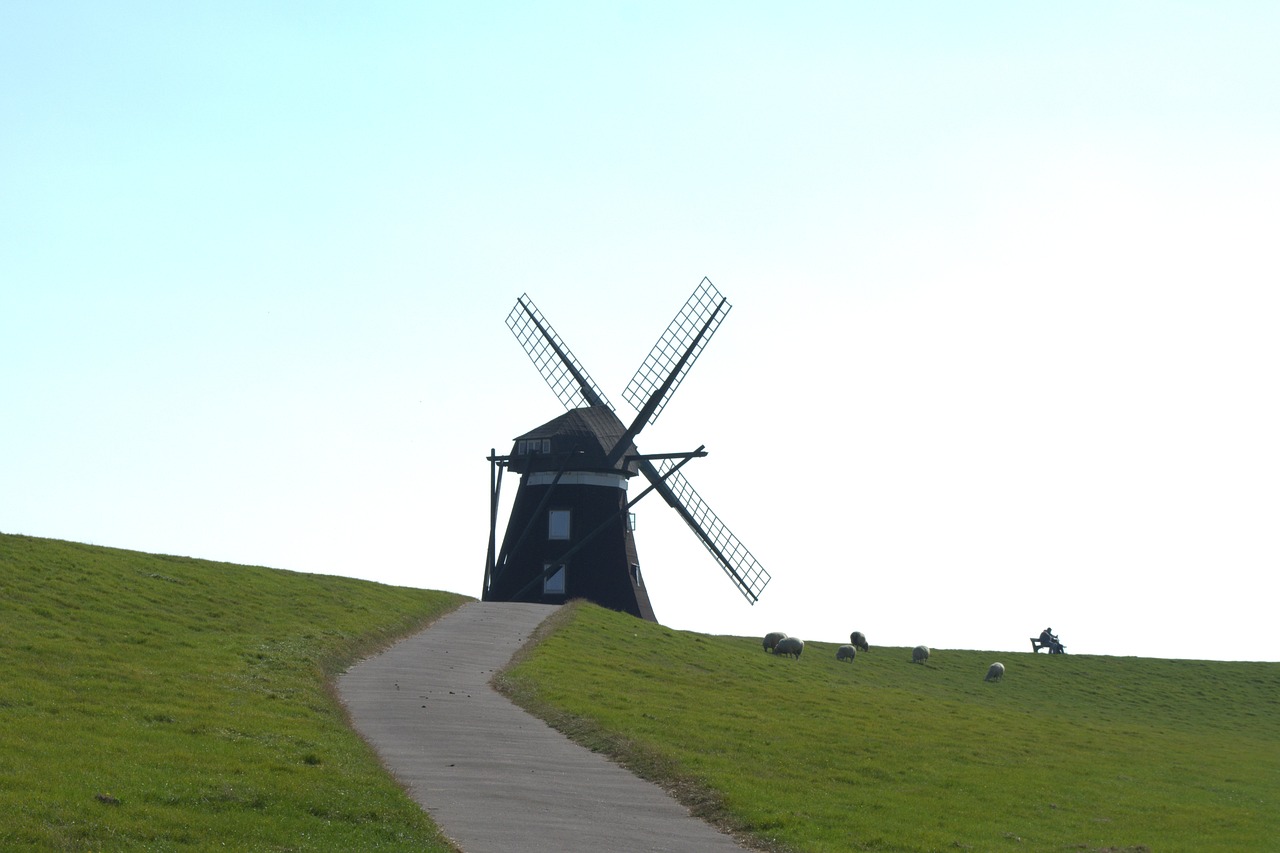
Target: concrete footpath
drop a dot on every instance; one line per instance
(494, 778)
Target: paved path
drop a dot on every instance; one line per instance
(493, 777)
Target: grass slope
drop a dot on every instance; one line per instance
(1067, 753)
(162, 703)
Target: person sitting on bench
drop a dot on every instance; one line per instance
(1048, 641)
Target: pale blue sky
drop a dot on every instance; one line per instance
(1003, 350)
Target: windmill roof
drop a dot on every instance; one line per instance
(595, 421)
(589, 432)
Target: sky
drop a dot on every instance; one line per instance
(1002, 353)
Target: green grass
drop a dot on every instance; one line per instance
(1073, 752)
(163, 703)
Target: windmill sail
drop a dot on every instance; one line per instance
(738, 563)
(568, 379)
(677, 350)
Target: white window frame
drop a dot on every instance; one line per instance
(554, 583)
(559, 524)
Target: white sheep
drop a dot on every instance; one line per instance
(859, 641)
(789, 646)
(920, 654)
(995, 672)
(771, 639)
(846, 653)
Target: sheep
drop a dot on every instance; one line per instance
(771, 640)
(920, 654)
(995, 672)
(846, 653)
(859, 641)
(789, 646)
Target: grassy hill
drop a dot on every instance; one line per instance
(165, 703)
(1083, 753)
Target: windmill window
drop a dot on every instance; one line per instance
(522, 447)
(558, 524)
(546, 445)
(631, 522)
(553, 583)
(635, 574)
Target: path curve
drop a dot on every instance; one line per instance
(493, 777)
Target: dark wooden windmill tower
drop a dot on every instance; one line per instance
(569, 534)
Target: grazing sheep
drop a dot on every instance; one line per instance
(846, 653)
(789, 646)
(859, 642)
(771, 640)
(920, 654)
(995, 672)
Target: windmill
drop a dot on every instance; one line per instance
(570, 531)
